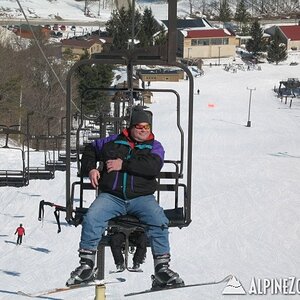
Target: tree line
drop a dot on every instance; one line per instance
(27, 85)
(275, 48)
(30, 85)
(256, 8)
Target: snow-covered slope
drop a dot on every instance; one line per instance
(74, 10)
(245, 197)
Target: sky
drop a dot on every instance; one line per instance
(245, 196)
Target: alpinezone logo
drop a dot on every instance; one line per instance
(234, 287)
(264, 286)
(275, 286)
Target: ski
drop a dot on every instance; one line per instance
(128, 269)
(139, 270)
(71, 287)
(161, 289)
(116, 271)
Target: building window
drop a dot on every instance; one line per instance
(225, 41)
(216, 41)
(204, 42)
(213, 41)
(200, 42)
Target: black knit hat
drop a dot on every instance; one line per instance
(138, 115)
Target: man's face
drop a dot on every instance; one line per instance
(140, 132)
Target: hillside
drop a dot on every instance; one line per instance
(245, 197)
(99, 10)
(245, 190)
(74, 10)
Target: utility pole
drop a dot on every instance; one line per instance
(28, 140)
(249, 107)
(20, 115)
(132, 23)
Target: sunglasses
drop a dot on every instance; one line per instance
(146, 127)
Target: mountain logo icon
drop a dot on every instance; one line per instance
(233, 287)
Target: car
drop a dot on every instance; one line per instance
(56, 34)
(63, 27)
(73, 27)
(55, 27)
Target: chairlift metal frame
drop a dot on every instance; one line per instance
(16, 178)
(157, 55)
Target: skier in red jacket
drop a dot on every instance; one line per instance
(20, 231)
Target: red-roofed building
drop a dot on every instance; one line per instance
(290, 35)
(206, 43)
(24, 31)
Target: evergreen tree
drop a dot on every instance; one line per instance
(68, 54)
(277, 50)
(225, 12)
(241, 14)
(119, 27)
(245, 30)
(256, 43)
(149, 27)
(161, 38)
(96, 76)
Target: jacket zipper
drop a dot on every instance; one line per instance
(125, 176)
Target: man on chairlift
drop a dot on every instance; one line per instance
(131, 162)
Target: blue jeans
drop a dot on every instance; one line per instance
(145, 208)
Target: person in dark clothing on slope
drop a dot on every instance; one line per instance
(131, 162)
(20, 231)
(117, 242)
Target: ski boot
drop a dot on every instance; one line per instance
(138, 260)
(85, 272)
(164, 277)
(120, 267)
(136, 266)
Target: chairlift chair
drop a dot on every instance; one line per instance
(13, 177)
(176, 181)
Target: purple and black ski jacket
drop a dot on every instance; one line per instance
(142, 163)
